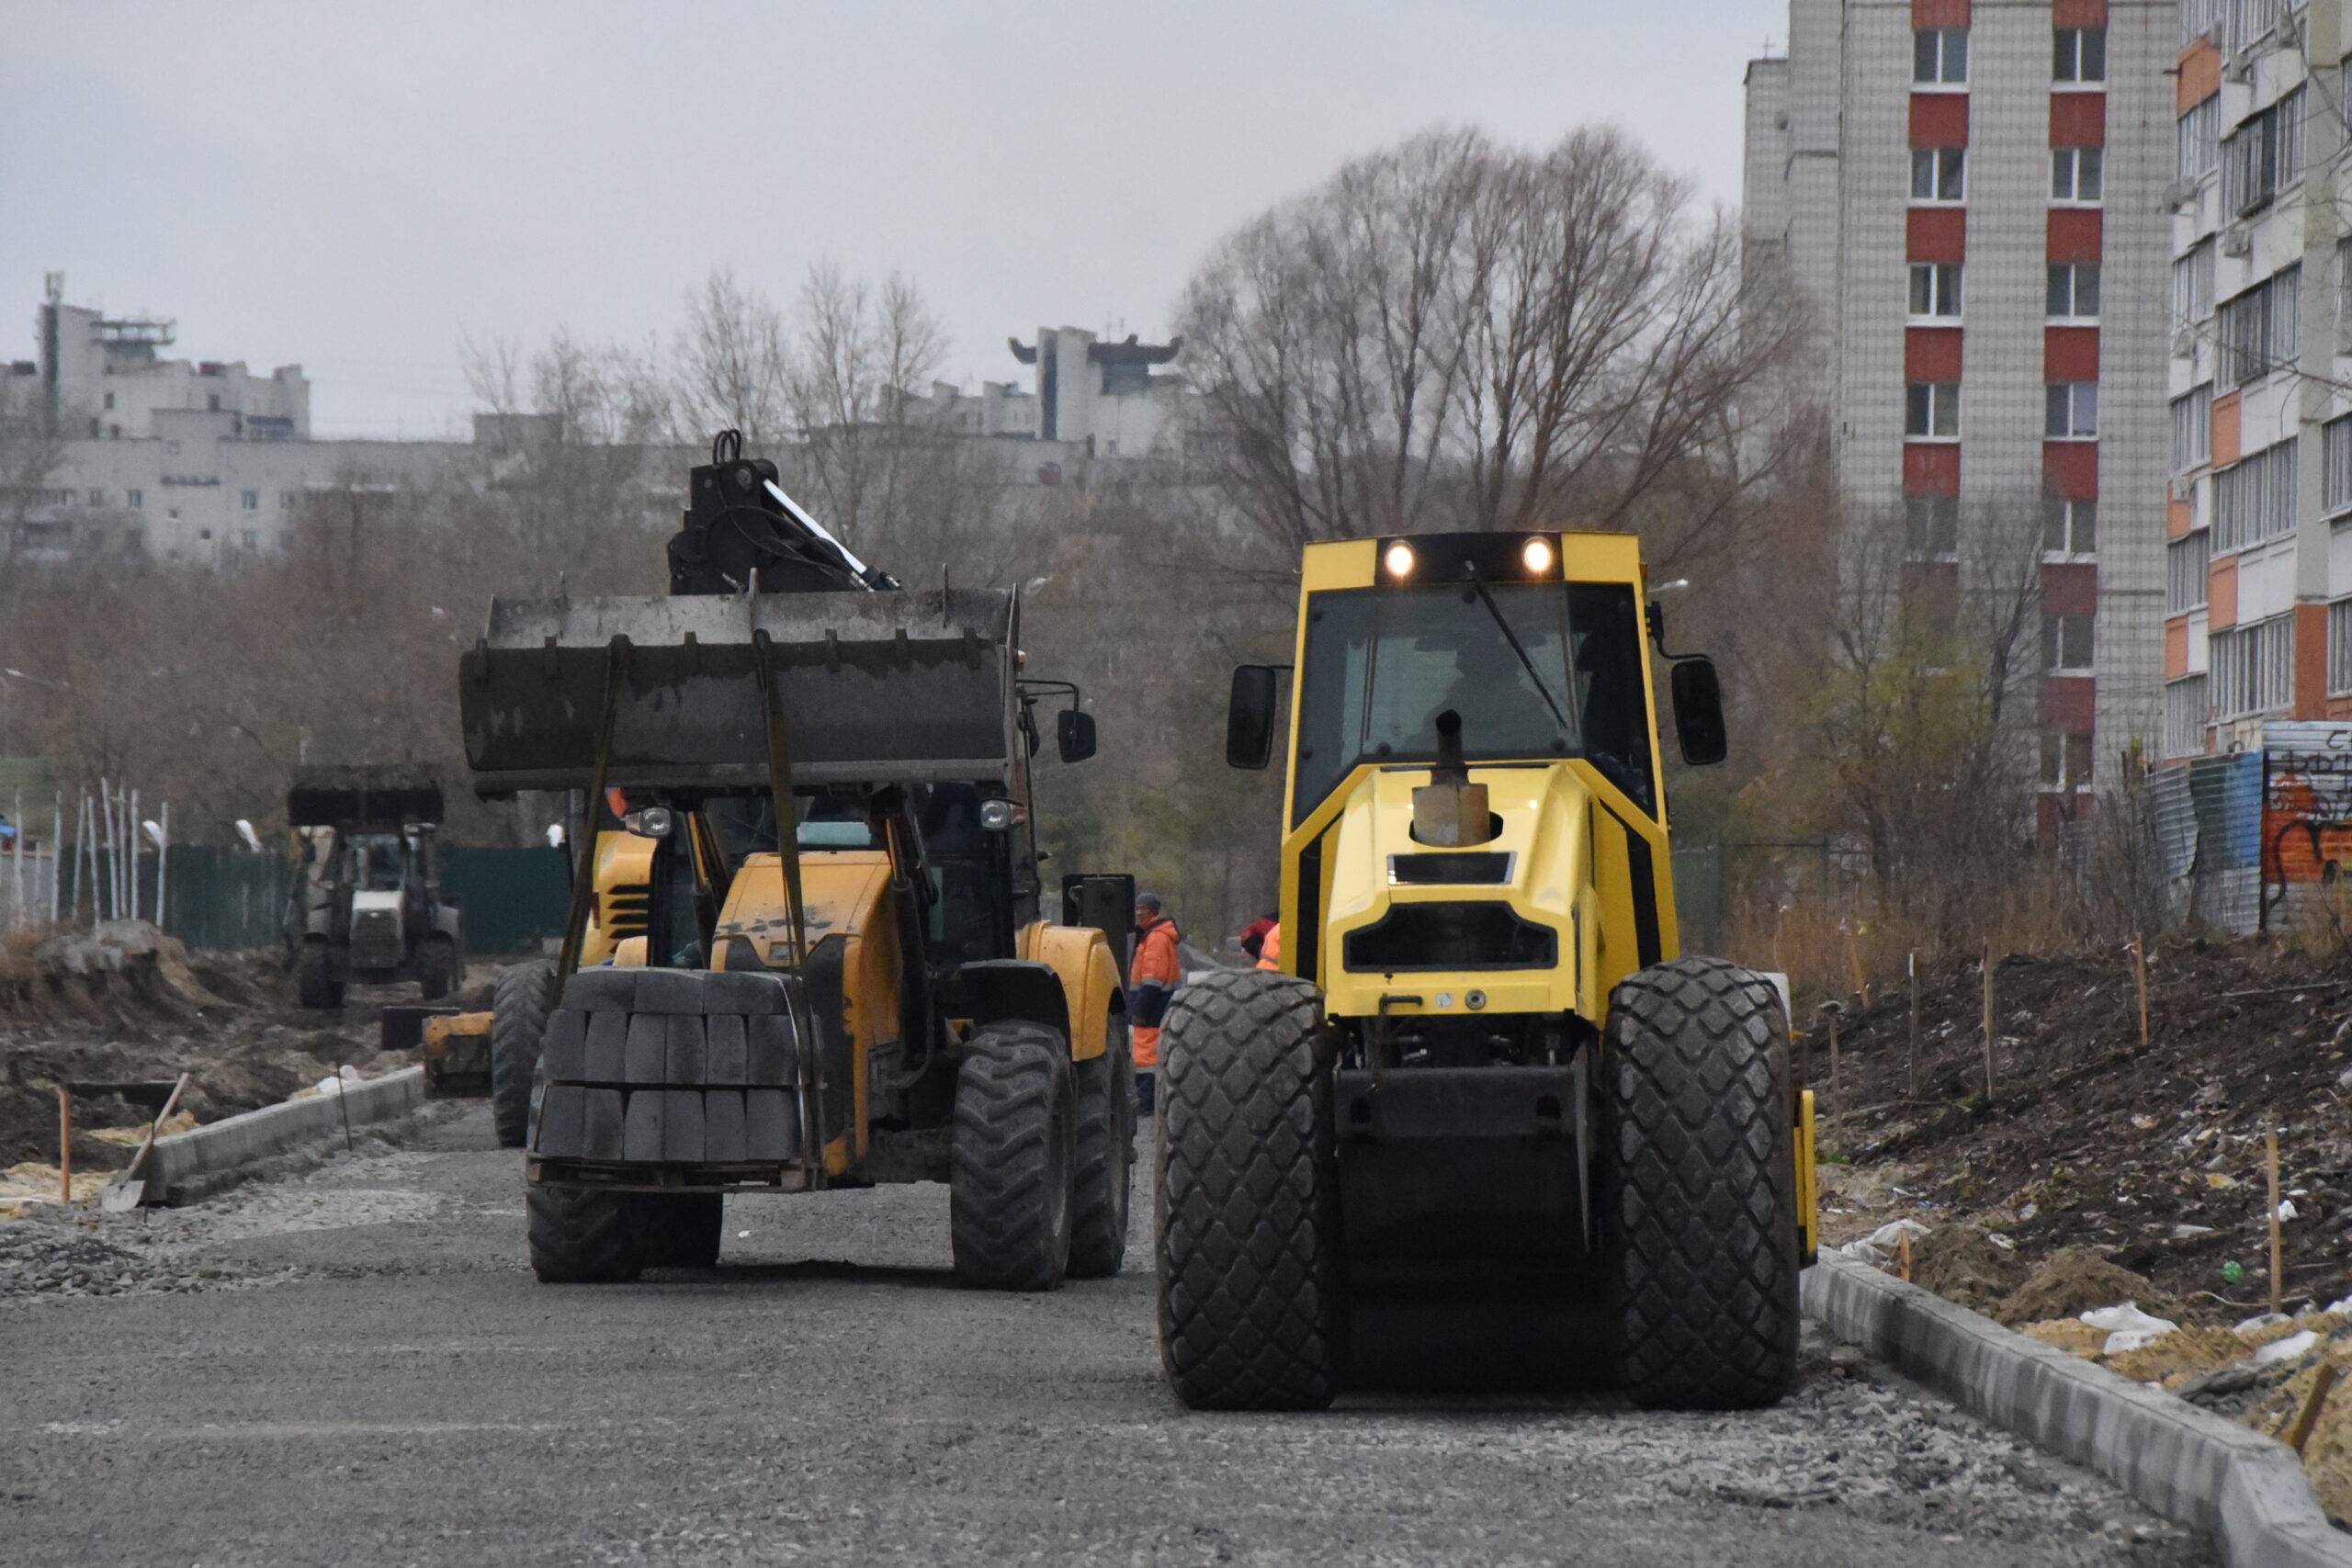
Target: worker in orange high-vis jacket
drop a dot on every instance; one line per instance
(1269, 949)
(1154, 975)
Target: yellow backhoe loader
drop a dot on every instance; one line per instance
(819, 955)
(1484, 1066)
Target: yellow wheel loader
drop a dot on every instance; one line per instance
(1483, 1069)
(816, 888)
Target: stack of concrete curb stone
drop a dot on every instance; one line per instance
(185, 1159)
(2246, 1490)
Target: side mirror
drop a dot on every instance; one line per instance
(1249, 718)
(1698, 711)
(1074, 735)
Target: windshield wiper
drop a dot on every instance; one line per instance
(1526, 664)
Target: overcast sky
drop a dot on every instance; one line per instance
(356, 188)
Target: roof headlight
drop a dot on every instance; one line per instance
(1536, 555)
(1399, 559)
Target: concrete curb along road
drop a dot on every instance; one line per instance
(179, 1161)
(2193, 1467)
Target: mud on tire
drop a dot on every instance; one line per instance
(518, 1017)
(1700, 1195)
(1104, 1170)
(1252, 1309)
(1010, 1176)
(583, 1235)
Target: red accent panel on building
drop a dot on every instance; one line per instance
(2076, 120)
(2068, 702)
(2225, 428)
(1940, 119)
(2070, 589)
(2221, 595)
(1932, 354)
(2074, 233)
(2070, 354)
(2200, 78)
(2176, 647)
(2311, 662)
(2070, 470)
(1939, 13)
(1931, 468)
(2078, 13)
(1937, 234)
(2178, 516)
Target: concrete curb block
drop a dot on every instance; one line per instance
(2249, 1492)
(179, 1160)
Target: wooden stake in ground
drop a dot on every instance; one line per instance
(2308, 1416)
(2278, 1261)
(64, 1145)
(1988, 1023)
(1903, 1256)
(1834, 1085)
(2139, 977)
(1854, 963)
(1911, 1052)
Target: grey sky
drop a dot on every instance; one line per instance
(356, 188)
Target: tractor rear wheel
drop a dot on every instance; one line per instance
(1009, 1181)
(680, 1232)
(1700, 1207)
(518, 1017)
(315, 982)
(583, 1235)
(1106, 1158)
(1252, 1304)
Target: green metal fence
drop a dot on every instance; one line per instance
(222, 897)
(514, 900)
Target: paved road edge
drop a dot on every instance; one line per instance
(2246, 1490)
(178, 1161)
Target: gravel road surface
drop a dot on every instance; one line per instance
(355, 1366)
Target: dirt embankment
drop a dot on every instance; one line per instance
(128, 1004)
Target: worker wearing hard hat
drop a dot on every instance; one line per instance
(1155, 974)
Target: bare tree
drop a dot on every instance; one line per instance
(1453, 333)
(32, 450)
(733, 365)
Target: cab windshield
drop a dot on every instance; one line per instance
(1536, 670)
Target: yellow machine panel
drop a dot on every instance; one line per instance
(1083, 960)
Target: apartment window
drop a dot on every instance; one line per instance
(249, 539)
(110, 400)
(113, 432)
(2289, 111)
(2079, 54)
(205, 533)
(2335, 465)
(2255, 159)
(134, 499)
(2254, 668)
(1931, 409)
(2260, 329)
(2066, 761)
(284, 500)
(2074, 291)
(2192, 428)
(2075, 172)
(2069, 527)
(2188, 564)
(1930, 527)
(1939, 55)
(1935, 288)
(1939, 173)
(2070, 411)
(2066, 642)
(252, 499)
(2192, 285)
(97, 498)
(2198, 139)
(2339, 648)
(2185, 709)
(2255, 500)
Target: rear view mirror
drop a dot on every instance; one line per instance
(1698, 711)
(1074, 735)
(1250, 719)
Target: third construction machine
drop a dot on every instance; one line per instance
(1485, 1068)
(814, 792)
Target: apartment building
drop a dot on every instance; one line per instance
(2258, 569)
(1972, 194)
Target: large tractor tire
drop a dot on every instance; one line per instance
(1009, 1182)
(1252, 1282)
(519, 1008)
(583, 1235)
(1106, 1158)
(1700, 1201)
(680, 1232)
(315, 982)
(436, 967)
